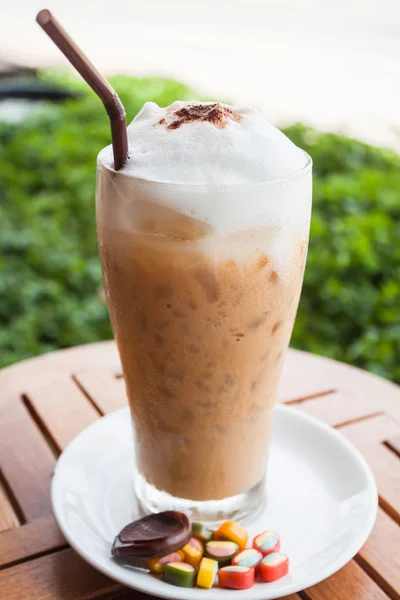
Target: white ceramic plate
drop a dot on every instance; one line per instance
(322, 498)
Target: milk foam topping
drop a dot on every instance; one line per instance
(207, 143)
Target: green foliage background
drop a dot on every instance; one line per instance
(50, 274)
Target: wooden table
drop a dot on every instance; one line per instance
(46, 401)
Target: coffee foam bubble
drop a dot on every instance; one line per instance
(207, 143)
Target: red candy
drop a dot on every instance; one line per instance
(236, 577)
(274, 566)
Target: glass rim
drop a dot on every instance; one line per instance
(214, 186)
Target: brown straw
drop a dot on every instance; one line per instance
(99, 85)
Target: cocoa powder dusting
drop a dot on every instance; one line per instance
(215, 113)
(176, 124)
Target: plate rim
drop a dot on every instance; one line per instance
(217, 593)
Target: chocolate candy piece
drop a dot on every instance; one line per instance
(232, 531)
(236, 578)
(152, 536)
(207, 572)
(248, 558)
(201, 532)
(193, 552)
(180, 574)
(274, 566)
(222, 552)
(267, 542)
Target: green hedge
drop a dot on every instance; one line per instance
(50, 274)
(350, 307)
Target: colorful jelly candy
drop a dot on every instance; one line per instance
(156, 565)
(222, 552)
(267, 542)
(248, 558)
(207, 572)
(180, 574)
(232, 531)
(193, 552)
(274, 566)
(201, 532)
(236, 577)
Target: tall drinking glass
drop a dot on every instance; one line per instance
(202, 285)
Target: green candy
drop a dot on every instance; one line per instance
(222, 552)
(201, 532)
(180, 574)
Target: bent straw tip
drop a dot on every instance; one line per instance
(43, 17)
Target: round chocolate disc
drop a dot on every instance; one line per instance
(152, 536)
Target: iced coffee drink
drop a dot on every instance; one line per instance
(203, 240)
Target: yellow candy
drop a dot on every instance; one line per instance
(207, 573)
(156, 565)
(232, 531)
(193, 552)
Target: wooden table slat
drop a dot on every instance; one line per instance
(29, 540)
(369, 437)
(127, 594)
(69, 389)
(135, 595)
(380, 556)
(376, 429)
(314, 373)
(63, 409)
(124, 594)
(59, 576)
(340, 407)
(27, 463)
(350, 583)
(386, 469)
(103, 388)
(394, 445)
(297, 382)
(6, 514)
